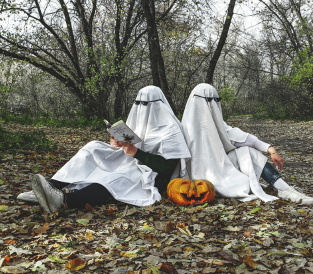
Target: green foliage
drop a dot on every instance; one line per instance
(302, 75)
(228, 95)
(276, 110)
(17, 141)
(179, 116)
(80, 122)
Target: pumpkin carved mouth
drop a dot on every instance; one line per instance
(193, 197)
(188, 192)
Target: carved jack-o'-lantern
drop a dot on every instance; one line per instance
(190, 192)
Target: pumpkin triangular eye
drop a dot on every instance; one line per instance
(185, 183)
(200, 184)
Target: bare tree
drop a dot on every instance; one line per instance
(156, 58)
(221, 42)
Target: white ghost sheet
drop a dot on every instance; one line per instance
(125, 177)
(234, 172)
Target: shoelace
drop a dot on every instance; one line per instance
(299, 190)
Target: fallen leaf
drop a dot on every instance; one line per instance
(146, 226)
(299, 245)
(278, 252)
(18, 251)
(89, 236)
(41, 230)
(56, 259)
(209, 270)
(267, 242)
(128, 254)
(226, 256)
(88, 207)
(3, 207)
(83, 221)
(168, 268)
(153, 268)
(184, 231)
(249, 261)
(254, 210)
(56, 245)
(211, 249)
(12, 269)
(164, 226)
(188, 248)
(233, 228)
(39, 267)
(276, 233)
(75, 264)
(9, 241)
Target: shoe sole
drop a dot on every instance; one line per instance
(35, 201)
(40, 194)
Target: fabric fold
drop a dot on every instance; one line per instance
(126, 178)
(234, 172)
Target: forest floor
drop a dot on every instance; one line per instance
(227, 236)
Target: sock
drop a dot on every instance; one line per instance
(280, 184)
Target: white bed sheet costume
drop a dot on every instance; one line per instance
(234, 172)
(125, 177)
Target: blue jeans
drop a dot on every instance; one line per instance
(270, 174)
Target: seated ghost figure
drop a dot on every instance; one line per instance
(228, 157)
(134, 174)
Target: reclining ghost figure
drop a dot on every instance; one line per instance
(228, 157)
(134, 174)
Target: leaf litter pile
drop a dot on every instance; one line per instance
(226, 236)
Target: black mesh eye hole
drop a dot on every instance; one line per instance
(144, 103)
(208, 99)
(217, 99)
(136, 102)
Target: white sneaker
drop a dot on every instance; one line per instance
(28, 196)
(295, 196)
(49, 197)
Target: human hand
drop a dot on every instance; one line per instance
(277, 160)
(129, 149)
(114, 142)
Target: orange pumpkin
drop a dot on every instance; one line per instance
(190, 192)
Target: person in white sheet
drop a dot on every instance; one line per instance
(228, 157)
(134, 174)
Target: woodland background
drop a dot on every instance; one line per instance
(86, 60)
(75, 62)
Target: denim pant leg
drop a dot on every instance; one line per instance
(270, 174)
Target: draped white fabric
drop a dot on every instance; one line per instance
(157, 125)
(234, 172)
(125, 177)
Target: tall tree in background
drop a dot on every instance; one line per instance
(221, 42)
(155, 54)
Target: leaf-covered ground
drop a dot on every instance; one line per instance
(227, 236)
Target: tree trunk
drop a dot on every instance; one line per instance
(221, 42)
(118, 104)
(156, 59)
